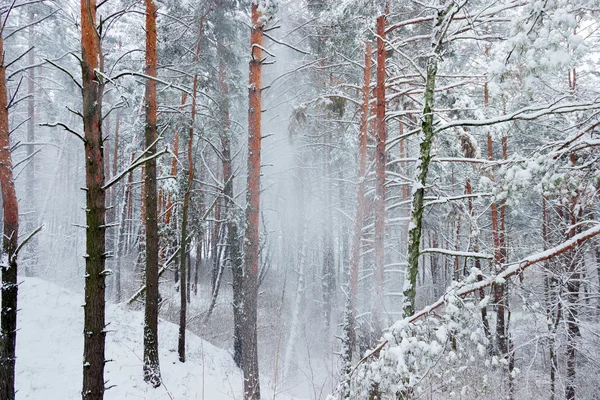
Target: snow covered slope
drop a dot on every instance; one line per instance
(50, 350)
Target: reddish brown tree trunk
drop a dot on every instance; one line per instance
(94, 306)
(9, 287)
(380, 162)
(151, 361)
(360, 205)
(251, 237)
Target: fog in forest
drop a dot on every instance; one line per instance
(302, 199)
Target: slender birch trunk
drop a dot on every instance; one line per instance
(444, 19)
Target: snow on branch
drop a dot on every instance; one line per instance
(456, 253)
(137, 162)
(525, 114)
(509, 270)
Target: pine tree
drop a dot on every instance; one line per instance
(249, 338)
(151, 361)
(10, 233)
(94, 332)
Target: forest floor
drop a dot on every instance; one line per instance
(50, 349)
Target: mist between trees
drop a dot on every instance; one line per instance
(357, 199)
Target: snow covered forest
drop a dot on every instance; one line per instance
(300, 199)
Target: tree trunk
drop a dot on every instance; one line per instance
(9, 288)
(414, 232)
(484, 317)
(380, 161)
(182, 263)
(500, 336)
(94, 306)
(444, 19)
(228, 205)
(251, 237)
(216, 265)
(549, 297)
(197, 265)
(168, 214)
(350, 317)
(186, 205)
(118, 234)
(122, 242)
(575, 262)
(151, 360)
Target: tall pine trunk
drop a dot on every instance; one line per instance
(9, 288)
(380, 162)
(94, 307)
(251, 237)
(151, 361)
(351, 302)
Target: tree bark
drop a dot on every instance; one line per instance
(444, 19)
(151, 360)
(94, 307)
(9, 288)
(251, 236)
(170, 206)
(186, 205)
(380, 162)
(360, 206)
(414, 231)
(500, 335)
(228, 210)
(118, 234)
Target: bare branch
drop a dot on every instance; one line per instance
(66, 128)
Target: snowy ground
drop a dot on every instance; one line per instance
(50, 349)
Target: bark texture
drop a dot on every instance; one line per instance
(9, 287)
(186, 206)
(151, 361)
(380, 161)
(94, 308)
(251, 238)
(444, 19)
